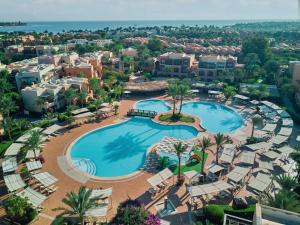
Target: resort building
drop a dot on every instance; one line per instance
(13, 50)
(48, 59)
(212, 67)
(130, 52)
(51, 93)
(33, 75)
(46, 50)
(294, 67)
(69, 58)
(29, 51)
(90, 65)
(174, 64)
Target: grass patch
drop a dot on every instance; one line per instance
(191, 166)
(4, 146)
(176, 118)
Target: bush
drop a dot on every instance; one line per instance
(62, 117)
(44, 123)
(19, 210)
(92, 107)
(130, 212)
(214, 213)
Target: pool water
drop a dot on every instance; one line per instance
(120, 149)
(153, 105)
(214, 117)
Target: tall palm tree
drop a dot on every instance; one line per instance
(179, 149)
(79, 203)
(220, 141)
(255, 121)
(173, 93)
(34, 141)
(204, 145)
(183, 91)
(284, 199)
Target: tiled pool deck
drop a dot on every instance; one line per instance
(134, 187)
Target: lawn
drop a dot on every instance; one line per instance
(192, 166)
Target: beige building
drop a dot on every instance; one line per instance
(130, 52)
(174, 64)
(294, 68)
(51, 93)
(211, 67)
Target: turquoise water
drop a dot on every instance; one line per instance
(153, 105)
(214, 117)
(120, 149)
(60, 26)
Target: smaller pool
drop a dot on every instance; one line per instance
(156, 105)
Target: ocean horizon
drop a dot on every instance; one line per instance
(60, 26)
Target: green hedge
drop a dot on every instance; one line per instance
(215, 213)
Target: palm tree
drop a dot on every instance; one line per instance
(70, 94)
(287, 182)
(255, 121)
(22, 124)
(7, 105)
(8, 125)
(179, 149)
(34, 141)
(204, 145)
(79, 203)
(173, 92)
(284, 199)
(220, 141)
(183, 91)
(82, 97)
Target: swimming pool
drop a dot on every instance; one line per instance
(153, 105)
(120, 150)
(214, 117)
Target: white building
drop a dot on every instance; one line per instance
(294, 67)
(51, 94)
(33, 75)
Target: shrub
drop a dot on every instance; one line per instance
(214, 213)
(19, 210)
(44, 123)
(92, 107)
(62, 117)
(130, 212)
(152, 220)
(4, 146)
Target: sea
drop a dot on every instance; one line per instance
(62, 26)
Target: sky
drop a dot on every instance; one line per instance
(84, 10)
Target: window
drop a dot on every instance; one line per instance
(176, 70)
(201, 73)
(210, 74)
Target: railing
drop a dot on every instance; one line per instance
(139, 112)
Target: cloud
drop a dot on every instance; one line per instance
(33, 10)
